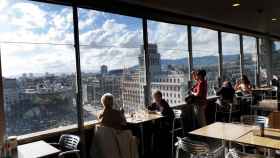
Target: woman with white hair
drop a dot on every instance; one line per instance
(111, 117)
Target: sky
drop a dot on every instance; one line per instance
(38, 38)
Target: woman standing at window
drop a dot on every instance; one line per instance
(200, 97)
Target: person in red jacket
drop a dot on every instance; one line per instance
(199, 92)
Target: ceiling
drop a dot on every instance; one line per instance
(251, 14)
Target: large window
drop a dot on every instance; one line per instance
(265, 60)
(231, 57)
(112, 60)
(276, 58)
(250, 58)
(205, 55)
(168, 49)
(38, 66)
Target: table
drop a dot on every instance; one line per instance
(36, 149)
(224, 131)
(212, 97)
(266, 142)
(140, 120)
(269, 105)
(143, 118)
(262, 89)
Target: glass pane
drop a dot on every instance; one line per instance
(265, 61)
(111, 60)
(168, 48)
(276, 58)
(206, 55)
(38, 66)
(231, 57)
(250, 58)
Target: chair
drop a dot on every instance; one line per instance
(274, 92)
(68, 144)
(274, 118)
(253, 120)
(227, 108)
(174, 129)
(186, 146)
(236, 154)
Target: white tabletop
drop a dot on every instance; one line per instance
(224, 131)
(36, 149)
(143, 118)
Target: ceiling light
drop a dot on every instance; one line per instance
(274, 19)
(235, 3)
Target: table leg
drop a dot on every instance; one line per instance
(142, 140)
(224, 143)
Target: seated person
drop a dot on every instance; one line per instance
(162, 106)
(244, 86)
(274, 81)
(162, 138)
(110, 117)
(226, 92)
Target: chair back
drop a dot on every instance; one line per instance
(177, 113)
(274, 118)
(69, 142)
(254, 120)
(192, 147)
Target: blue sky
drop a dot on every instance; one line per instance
(106, 38)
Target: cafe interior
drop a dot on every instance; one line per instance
(139, 79)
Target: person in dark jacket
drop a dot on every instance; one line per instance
(163, 107)
(226, 92)
(162, 134)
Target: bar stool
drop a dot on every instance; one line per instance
(177, 118)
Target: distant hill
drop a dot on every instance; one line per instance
(206, 60)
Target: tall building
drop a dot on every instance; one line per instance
(155, 65)
(171, 82)
(10, 93)
(104, 70)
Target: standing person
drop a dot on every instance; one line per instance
(194, 79)
(200, 97)
(110, 117)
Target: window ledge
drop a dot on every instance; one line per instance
(27, 138)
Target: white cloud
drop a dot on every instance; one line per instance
(108, 40)
(3, 4)
(87, 18)
(27, 16)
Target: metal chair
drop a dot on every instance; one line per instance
(254, 120)
(236, 154)
(174, 129)
(227, 108)
(68, 144)
(196, 149)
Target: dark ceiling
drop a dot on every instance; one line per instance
(251, 14)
